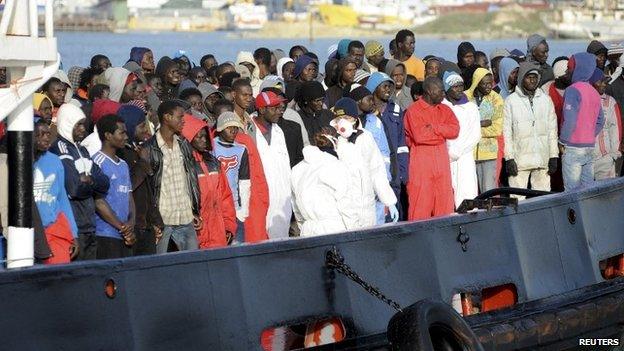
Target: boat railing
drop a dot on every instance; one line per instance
(31, 59)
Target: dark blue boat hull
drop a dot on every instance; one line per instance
(223, 299)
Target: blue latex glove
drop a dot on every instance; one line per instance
(394, 213)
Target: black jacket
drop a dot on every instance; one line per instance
(156, 162)
(332, 95)
(294, 140)
(313, 123)
(146, 209)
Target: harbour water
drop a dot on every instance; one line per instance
(76, 48)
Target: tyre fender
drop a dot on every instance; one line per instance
(431, 325)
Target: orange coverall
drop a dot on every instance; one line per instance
(429, 189)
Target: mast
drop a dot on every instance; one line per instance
(30, 60)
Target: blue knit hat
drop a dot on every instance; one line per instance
(450, 79)
(301, 63)
(376, 79)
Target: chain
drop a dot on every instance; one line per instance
(334, 260)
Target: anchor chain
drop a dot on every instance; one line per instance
(334, 260)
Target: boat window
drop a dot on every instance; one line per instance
(488, 299)
(303, 335)
(612, 267)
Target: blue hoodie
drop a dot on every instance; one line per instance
(301, 64)
(583, 118)
(506, 66)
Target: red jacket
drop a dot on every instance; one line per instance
(216, 201)
(557, 100)
(255, 224)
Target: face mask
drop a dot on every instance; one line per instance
(345, 128)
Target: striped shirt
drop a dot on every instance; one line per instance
(175, 204)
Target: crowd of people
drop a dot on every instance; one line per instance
(150, 158)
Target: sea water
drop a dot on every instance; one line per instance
(76, 48)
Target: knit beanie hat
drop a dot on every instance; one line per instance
(358, 92)
(309, 91)
(360, 74)
(451, 79)
(372, 48)
(74, 76)
(376, 79)
(103, 107)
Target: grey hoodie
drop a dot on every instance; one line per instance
(526, 67)
(401, 97)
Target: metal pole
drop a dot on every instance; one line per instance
(20, 238)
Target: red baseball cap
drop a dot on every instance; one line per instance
(268, 99)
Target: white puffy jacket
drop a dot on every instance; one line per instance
(369, 178)
(322, 201)
(530, 130)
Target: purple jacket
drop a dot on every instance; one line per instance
(583, 118)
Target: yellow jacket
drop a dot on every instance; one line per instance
(491, 108)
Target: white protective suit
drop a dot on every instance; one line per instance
(276, 165)
(321, 199)
(530, 132)
(369, 179)
(461, 151)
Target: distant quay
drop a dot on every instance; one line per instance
(500, 25)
